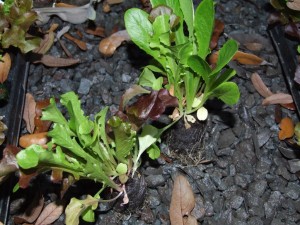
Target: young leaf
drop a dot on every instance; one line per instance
(228, 92)
(200, 66)
(153, 152)
(53, 114)
(188, 15)
(148, 79)
(139, 29)
(226, 53)
(203, 25)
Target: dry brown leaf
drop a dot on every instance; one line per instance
(182, 201)
(30, 139)
(64, 5)
(241, 57)
(52, 61)
(260, 86)
(32, 211)
(218, 30)
(278, 98)
(190, 220)
(287, 128)
(79, 43)
(1, 223)
(247, 58)
(294, 5)
(29, 112)
(112, 2)
(5, 65)
(108, 45)
(45, 44)
(254, 46)
(105, 7)
(50, 213)
(97, 31)
(41, 125)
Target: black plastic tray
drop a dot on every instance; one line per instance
(286, 50)
(12, 111)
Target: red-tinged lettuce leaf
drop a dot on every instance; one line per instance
(25, 178)
(152, 106)
(8, 163)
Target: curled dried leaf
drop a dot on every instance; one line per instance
(46, 43)
(287, 128)
(5, 66)
(109, 45)
(30, 139)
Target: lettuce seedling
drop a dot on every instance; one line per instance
(180, 55)
(83, 148)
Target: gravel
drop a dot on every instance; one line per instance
(246, 180)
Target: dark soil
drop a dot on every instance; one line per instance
(233, 161)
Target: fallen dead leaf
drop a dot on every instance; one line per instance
(182, 201)
(29, 139)
(287, 128)
(294, 5)
(5, 66)
(29, 112)
(218, 30)
(109, 45)
(52, 61)
(241, 57)
(112, 2)
(97, 31)
(260, 86)
(278, 98)
(32, 212)
(64, 5)
(79, 43)
(41, 125)
(252, 41)
(50, 213)
(45, 44)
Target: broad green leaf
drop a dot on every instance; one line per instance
(153, 151)
(28, 158)
(139, 29)
(225, 55)
(100, 119)
(228, 92)
(148, 79)
(182, 52)
(161, 25)
(203, 25)
(199, 66)
(76, 207)
(188, 15)
(52, 113)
